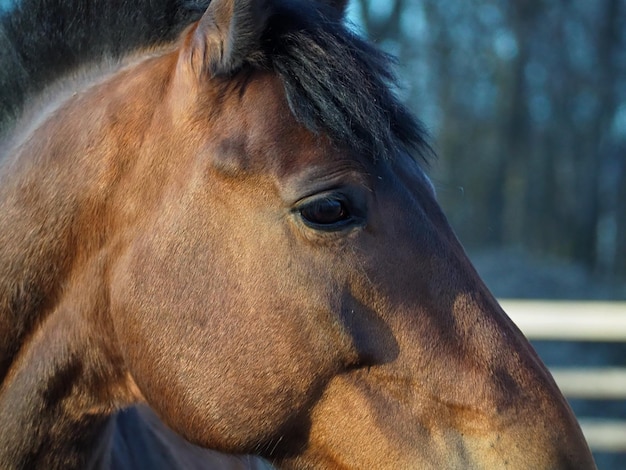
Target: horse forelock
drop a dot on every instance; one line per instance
(335, 82)
(338, 83)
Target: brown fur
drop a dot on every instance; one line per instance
(154, 252)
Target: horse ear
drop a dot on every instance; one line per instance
(227, 35)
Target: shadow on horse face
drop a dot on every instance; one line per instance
(268, 287)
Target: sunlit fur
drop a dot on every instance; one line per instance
(156, 259)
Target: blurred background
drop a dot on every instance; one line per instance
(525, 102)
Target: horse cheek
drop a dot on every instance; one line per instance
(220, 335)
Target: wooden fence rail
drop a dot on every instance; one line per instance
(581, 321)
(569, 321)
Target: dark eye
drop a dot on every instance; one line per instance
(325, 213)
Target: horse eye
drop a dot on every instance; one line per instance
(325, 212)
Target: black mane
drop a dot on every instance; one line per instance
(340, 83)
(334, 80)
(42, 40)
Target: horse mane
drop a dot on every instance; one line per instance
(43, 40)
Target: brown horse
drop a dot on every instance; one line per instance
(230, 229)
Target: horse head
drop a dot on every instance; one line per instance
(245, 240)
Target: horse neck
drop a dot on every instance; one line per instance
(61, 372)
